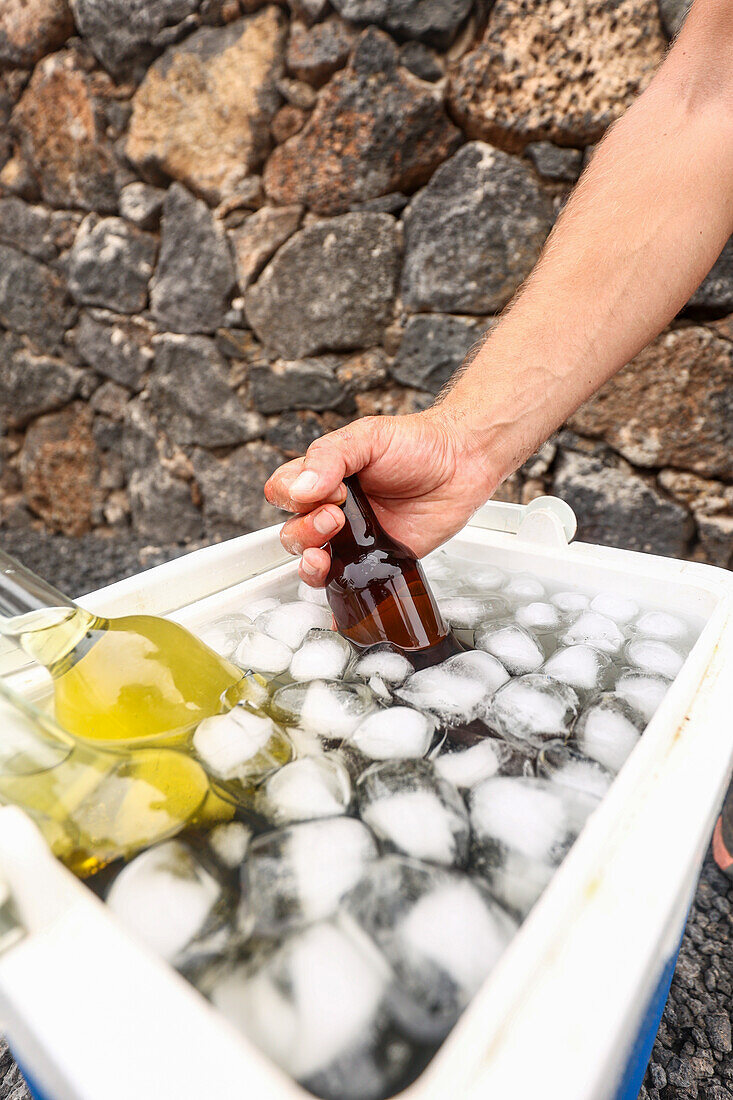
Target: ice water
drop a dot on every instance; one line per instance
(386, 828)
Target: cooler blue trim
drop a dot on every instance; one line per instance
(641, 1051)
(33, 1088)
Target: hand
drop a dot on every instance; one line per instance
(422, 473)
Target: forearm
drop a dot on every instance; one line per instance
(645, 224)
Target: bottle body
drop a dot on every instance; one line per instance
(377, 589)
(137, 678)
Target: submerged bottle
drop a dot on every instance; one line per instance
(131, 679)
(377, 589)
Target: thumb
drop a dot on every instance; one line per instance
(337, 455)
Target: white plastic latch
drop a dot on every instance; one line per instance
(548, 521)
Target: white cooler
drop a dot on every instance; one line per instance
(570, 1012)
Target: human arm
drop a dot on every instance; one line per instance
(646, 222)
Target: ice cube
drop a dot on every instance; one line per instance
(643, 692)
(383, 661)
(316, 1007)
(304, 789)
(392, 733)
(465, 612)
(290, 622)
(516, 648)
(622, 609)
(538, 616)
(440, 931)
(229, 842)
(522, 588)
(532, 709)
(591, 628)
(413, 811)
(258, 607)
(439, 569)
(561, 764)
(224, 635)
(522, 829)
(299, 874)
(656, 658)
(167, 898)
(323, 655)
(570, 603)
(240, 748)
(484, 577)
(261, 653)
(312, 595)
(327, 707)
(583, 667)
(457, 690)
(465, 767)
(377, 685)
(608, 730)
(661, 626)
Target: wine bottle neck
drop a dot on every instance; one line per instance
(22, 592)
(36, 616)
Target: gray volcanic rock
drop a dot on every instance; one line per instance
(162, 507)
(125, 35)
(110, 264)
(673, 13)
(316, 53)
(302, 384)
(195, 273)
(27, 228)
(555, 163)
(117, 347)
(191, 397)
(433, 346)
(330, 287)
(474, 233)
(615, 507)
(715, 292)
(433, 21)
(32, 384)
(33, 299)
(232, 488)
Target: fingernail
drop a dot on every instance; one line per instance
(304, 483)
(324, 523)
(307, 567)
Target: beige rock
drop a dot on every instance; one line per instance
(61, 140)
(258, 238)
(31, 28)
(560, 70)
(705, 497)
(202, 113)
(671, 406)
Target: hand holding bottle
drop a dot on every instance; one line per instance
(423, 477)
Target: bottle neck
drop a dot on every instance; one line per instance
(36, 616)
(362, 526)
(22, 592)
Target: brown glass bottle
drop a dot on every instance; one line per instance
(377, 589)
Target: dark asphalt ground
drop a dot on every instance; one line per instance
(693, 1053)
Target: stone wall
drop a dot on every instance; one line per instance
(227, 227)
